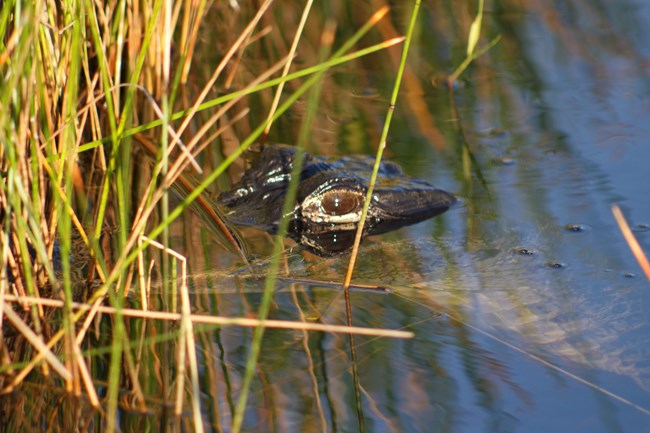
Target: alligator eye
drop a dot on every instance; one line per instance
(339, 202)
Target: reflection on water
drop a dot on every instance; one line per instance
(494, 330)
(527, 306)
(529, 311)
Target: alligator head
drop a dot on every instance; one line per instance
(330, 198)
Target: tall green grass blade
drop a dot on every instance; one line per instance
(472, 43)
(113, 166)
(278, 247)
(68, 143)
(380, 152)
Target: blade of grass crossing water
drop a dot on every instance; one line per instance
(278, 248)
(380, 151)
(366, 205)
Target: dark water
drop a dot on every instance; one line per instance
(529, 312)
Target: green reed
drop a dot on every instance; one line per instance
(473, 52)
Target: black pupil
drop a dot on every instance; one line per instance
(339, 203)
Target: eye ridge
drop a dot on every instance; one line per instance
(339, 202)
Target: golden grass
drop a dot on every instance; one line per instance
(80, 79)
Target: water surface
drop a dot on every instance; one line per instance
(529, 311)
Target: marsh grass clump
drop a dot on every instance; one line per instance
(99, 121)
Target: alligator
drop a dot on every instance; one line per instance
(329, 199)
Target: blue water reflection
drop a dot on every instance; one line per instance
(548, 129)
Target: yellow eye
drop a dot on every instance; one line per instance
(339, 202)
